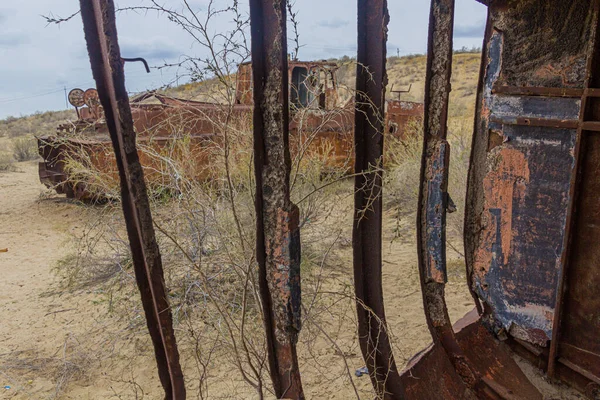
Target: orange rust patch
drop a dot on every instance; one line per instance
(563, 69)
(283, 274)
(504, 184)
(437, 275)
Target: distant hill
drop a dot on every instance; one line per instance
(402, 72)
(34, 124)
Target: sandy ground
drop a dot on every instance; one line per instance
(57, 344)
(52, 343)
(34, 325)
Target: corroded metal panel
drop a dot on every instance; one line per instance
(524, 160)
(577, 344)
(545, 41)
(430, 374)
(579, 339)
(526, 192)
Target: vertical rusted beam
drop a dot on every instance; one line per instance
(277, 231)
(588, 112)
(371, 79)
(433, 193)
(107, 67)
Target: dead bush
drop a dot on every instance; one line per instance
(24, 149)
(6, 162)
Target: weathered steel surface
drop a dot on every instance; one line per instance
(532, 199)
(277, 231)
(523, 160)
(107, 68)
(371, 79)
(431, 375)
(545, 41)
(580, 326)
(433, 195)
(436, 179)
(502, 376)
(575, 347)
(526, 195)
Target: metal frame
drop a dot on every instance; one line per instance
(366, 233)
(277, 218)
(107, 67)
(457, 352)
(433, 191)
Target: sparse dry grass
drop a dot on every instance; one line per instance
(6, 162)
(24, 148)
(205, 229)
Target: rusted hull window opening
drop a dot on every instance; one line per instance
(533, 263)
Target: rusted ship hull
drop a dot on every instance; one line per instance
(532, 218)
(328, 133)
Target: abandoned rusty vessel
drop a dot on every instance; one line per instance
(315, 106)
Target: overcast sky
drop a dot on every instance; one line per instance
(37, 60)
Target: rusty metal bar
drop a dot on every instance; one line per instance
(371, 79)
(592, 92)
(277, 218)
(542, 122)
(105, 58)
(537, 91)
(433, 196)
(137, 59)
(591, 126)
(581, 371)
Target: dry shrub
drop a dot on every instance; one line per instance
(24, 149)
(205, 218)
(6, 162)
(205, 228)
(403, 168)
